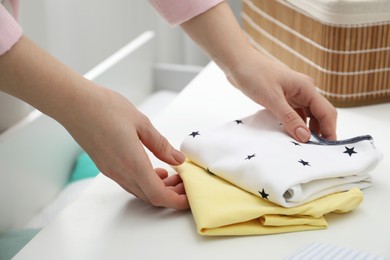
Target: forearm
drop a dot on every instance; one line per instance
(104, 123)
(219, 34)
(291, 96)
(32, 75)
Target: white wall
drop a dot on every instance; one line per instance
(82, 33)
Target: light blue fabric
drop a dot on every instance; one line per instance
(316, 250)
(11, 242)
(84, 168)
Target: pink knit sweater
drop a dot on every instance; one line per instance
(10, 31)
(174, 11)
(179, 11)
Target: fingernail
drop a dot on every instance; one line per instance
(303, 134)
(179, 157)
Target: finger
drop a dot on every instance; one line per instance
(326, 116)
(292, 122)
(169, 181)
(162, 173)
(181, 198)
(314, 126)
(167, 193)
(318, 107)
(153, 186)
(179, 188)
(172, 180)
(159, 145)
(302, 113)
(172, 197)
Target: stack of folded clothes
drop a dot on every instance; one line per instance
(249, 177)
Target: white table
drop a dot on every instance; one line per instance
(108, 223)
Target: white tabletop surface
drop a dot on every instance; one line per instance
(108, 223)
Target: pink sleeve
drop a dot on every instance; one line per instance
(179, 11)
(10, 30)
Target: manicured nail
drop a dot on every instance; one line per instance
(179, 157)
(303, 134)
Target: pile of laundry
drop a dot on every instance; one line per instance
(249, 177)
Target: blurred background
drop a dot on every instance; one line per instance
(82, 33)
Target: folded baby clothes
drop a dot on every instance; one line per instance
(222, 209)
(257, 155)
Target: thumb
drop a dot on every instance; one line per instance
(293, 124)
(159, 145)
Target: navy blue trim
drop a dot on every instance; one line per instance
(322, 141)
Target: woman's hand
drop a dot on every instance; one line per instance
(290, 95)
(112, 131)
(107, 126)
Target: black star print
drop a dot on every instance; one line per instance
(194, 134)
(250, 157)
(239, 122)
(263, 194)
(295, 143)
(349, 151)
(304, 163)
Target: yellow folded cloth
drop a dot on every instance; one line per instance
(221, 209)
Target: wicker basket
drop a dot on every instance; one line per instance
(349, 62)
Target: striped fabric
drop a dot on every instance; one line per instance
(314, 251)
